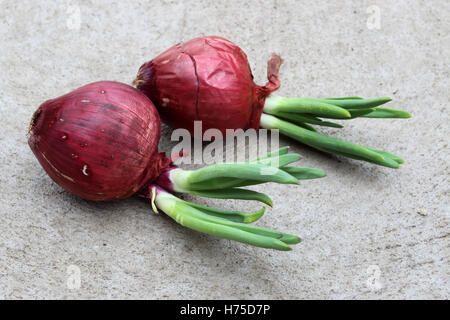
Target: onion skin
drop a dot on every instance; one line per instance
(207, 79)
(99, 142)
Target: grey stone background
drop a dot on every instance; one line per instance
(359, 216)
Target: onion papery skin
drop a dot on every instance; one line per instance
(99, 142)
(207, 79)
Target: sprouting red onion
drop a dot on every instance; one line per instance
(206, 79)
(100, 142)
(209, 79)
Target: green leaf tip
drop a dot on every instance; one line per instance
(254, 216)
(357, 103)
(290, 239)
(381, 113)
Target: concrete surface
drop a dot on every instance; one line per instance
(360, 223)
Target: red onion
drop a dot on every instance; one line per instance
(100, 142)
(206, 79)
(209, 79)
